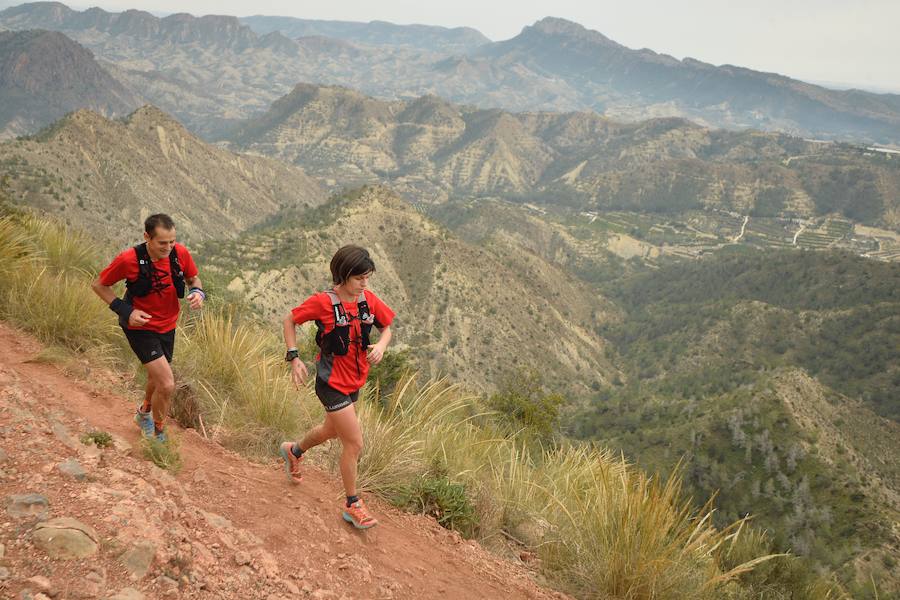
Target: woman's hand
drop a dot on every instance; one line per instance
(375, 353)
(298, 372)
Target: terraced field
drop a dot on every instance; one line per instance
(770, 232)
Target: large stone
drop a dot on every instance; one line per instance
(66, 538)
(73, 469)
(4, 573)
(128, 594)
(43, 584)
(138, 559)
(27, 505)
(63, 435)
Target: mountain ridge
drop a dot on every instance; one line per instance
(552, 65)
(432, 150)
(44, 75)
(105, 174)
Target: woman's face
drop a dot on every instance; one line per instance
(355, 284)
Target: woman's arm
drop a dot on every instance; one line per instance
(376, 351)
(298, 369)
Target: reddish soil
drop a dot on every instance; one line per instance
(223, 527)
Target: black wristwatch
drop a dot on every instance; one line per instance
(291, 355)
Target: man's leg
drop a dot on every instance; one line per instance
(148, 396)
(161, 383)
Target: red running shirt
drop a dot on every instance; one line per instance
(345, 373)
(162, 303)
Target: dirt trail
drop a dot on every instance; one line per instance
(222, 528)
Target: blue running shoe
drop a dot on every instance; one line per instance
(162, 437)
(144, 420)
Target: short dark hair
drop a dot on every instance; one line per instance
(158, 220)
(349, 261)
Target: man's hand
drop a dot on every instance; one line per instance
(375, 353)
(195, 300)
(138, 318)
(298, 372)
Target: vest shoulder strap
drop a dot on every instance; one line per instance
(340, 315)
(365, 315)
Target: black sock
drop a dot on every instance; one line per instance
(296, 450)
(351, 500)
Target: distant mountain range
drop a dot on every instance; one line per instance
(378, 33)
(209, 70)
(433, 151)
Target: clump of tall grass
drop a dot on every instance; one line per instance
(602, 528)
(58, 307)
(62, 249)
(45, 276)
(247, 400)
(14, 247)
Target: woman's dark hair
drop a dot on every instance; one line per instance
(349, 261)
(158, 220)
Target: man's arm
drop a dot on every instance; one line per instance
(105, 292)
(196, 295)
(132, 316)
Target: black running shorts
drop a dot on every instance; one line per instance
(333, 399)
(150, 345)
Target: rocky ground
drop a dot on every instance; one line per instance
(79, 521)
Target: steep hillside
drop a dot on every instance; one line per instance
(108, 176)
(773, 377)
(475, 313)
(217, 529)
(44, 75)
(432, 150)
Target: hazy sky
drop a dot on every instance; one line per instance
(839, 41)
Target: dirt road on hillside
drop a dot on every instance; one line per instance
(222, 528)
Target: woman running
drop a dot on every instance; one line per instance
(344, 316)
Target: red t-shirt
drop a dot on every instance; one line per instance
(162, 302)
(345, 373)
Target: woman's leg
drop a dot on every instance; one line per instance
(318, 435)
(292, 453)
(345, 423)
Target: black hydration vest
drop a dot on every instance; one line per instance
(143, 285)
(337, 341)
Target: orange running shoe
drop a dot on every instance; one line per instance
(291, 462)
(359, 516)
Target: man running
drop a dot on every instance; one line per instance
(156, 274)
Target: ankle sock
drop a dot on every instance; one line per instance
(351, 500)
(296, 450)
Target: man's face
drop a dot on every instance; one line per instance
(160, 243)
